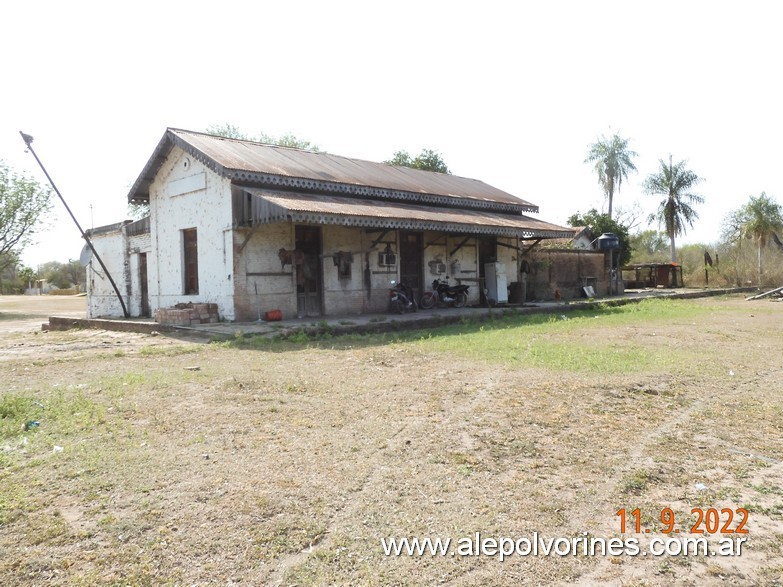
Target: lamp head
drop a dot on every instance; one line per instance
(28, 140)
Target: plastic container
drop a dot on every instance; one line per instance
(274, 315)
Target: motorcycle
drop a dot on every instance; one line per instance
(445, 294)
(401, 298)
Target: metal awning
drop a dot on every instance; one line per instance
(268, 206)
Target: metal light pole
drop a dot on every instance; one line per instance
(28, 140)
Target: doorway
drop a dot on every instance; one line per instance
(308, 272)
(411, 261)
(487, 253)
(145, 296)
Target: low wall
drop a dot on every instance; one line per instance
(62, 323)
(566, 271)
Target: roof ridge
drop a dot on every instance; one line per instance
(263, 144)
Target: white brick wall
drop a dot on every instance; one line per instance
(185, 194)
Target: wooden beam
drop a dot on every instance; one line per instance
(765, 294)
(531, 247)
(374, 243)
(459, 246)
(247, 238)
(508, 246)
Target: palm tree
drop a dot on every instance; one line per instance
(612, 159)
(675, 183)
(759, 220)
(27, 274)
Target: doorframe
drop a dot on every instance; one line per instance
(144, 286)
(319, 273)
(422, 287)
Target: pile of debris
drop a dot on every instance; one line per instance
(188, 314)
(775, 295)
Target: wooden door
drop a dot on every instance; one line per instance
(308, 271)
(411, 261)
(145, 298)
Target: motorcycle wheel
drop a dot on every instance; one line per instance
(400, 306)
(462, 300)
(428, 300)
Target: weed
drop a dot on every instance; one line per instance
(170, 351)
(300, 336)
(637, 482)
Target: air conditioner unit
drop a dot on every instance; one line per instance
(386, 259)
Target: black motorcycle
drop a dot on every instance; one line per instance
(401, 298)
(445, 294)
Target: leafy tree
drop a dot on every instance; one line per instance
(675, 211)
(28, 275)
(648, 244)
(138, 210)
(760, 220)
(231, 131)
(600, 223)
(9, 273)
(75, 273)
(400, 159)
(289, 140)
(63, 275)
(613, 161)
(427, 160)
(23, 203)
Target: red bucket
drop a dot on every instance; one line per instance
(274, 315)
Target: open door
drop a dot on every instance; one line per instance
(411, 261)
(145, 296)
(487, 253)
(308, 272)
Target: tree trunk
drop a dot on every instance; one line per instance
(673, 249)
(610, 193)
(761, 263)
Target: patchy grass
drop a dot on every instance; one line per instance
(256, 461)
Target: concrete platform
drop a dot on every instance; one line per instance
(388, 322)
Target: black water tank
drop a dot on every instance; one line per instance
(608, 241)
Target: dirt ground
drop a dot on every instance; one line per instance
(166, 461)
(24, 313)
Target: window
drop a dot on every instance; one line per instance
(343, 261)
(190, 258)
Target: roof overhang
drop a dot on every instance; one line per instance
(269, 206)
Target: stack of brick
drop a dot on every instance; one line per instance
(188, 314)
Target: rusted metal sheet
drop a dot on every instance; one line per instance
(248, 156)
(278, 206)
(236, 158)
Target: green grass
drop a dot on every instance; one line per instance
(535, 340)
(65, 411)
(546, 340)
(169, 351)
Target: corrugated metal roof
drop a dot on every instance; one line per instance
(240, 160)
(277, 206)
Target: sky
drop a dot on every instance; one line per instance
(511, 93)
